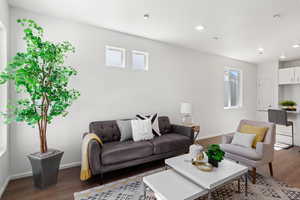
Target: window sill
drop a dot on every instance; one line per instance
(232, 108)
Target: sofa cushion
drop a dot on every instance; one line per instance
(170, 142)
(164, 125)
(107, 131)
(249, 153)
(117, 152)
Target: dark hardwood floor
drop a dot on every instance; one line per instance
(286, 168)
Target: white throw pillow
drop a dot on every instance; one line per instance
(243, 139)
(154, 122)
(141, 130)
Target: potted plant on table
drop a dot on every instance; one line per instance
(288, 105)
(214, 154)
(41, 78)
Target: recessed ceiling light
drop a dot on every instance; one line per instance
(146, 16)
(216, 38)
(296, 45)
(199, 28)
(260, 50)
(282, 57)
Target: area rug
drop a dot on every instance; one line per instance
(266, 188)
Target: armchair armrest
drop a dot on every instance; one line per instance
(227, 139)
(94, 154)
(183, 130)
(265, 150)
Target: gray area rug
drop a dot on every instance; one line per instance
(132, 188)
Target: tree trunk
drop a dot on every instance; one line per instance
(43, 138)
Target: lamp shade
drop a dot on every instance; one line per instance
(186, 108)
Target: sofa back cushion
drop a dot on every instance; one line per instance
(164, 125)
(107, 131)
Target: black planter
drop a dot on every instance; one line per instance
(45, 167)
(213, 162)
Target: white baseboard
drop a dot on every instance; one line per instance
(2, 189)
(29, 173)
(201, 137)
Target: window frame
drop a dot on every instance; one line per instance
(123, 52)
(144, 53)
(240, 105)
(4, 92)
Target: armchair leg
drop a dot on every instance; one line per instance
(254, 175)
(271, 169)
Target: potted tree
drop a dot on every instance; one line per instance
(41, 78)
(214, 154)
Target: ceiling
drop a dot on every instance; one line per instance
(242, 26)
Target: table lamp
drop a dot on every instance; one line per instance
(186, 111)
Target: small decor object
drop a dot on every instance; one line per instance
(215, 154)
(186, 111)
(196, 152)
(42, 79)
(203, 166)
(288, 105)
(141, 130)
(154, 122)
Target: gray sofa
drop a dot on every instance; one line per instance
(113, 155)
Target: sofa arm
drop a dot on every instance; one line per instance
(183, 130)
(265, 150)
(94, 154)
(227, 139)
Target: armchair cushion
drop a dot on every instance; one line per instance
(241, 139)
(260, 132)
(249, 153)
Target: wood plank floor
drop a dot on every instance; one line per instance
(286, 168)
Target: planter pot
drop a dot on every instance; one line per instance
(45, 167)
(213, 162)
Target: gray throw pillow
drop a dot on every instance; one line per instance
(125, 129)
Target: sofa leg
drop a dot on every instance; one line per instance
(271, 169)
(254, 175)
(101, 178)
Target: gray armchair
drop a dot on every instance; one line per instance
(263, 154)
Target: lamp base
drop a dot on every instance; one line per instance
(187, 120)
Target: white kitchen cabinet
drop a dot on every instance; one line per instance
(287, 76)
(297, 74)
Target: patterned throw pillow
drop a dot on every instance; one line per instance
(154, 122)
(141, 130)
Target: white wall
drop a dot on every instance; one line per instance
(176, 75)
(4, 156)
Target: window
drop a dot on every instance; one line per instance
(3, 89)
(140, 60)
(232, 88)
(115, 57)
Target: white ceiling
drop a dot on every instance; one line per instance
(242, 25)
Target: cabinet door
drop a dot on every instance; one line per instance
(297, 74)
(286, 76)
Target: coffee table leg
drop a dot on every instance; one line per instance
(145, 192)
(246, 185)
(239, 185)
(209, 195)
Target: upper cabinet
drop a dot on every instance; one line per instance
(289, 75)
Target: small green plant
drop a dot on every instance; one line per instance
(214, 152)
(288, 103)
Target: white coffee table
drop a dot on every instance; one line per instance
(227, 171)
(170, 185)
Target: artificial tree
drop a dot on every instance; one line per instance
(41, 77)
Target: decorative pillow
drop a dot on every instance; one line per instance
(242, 139)
(154, 122)
(141, 130)
(260, 132)
(125, 129)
